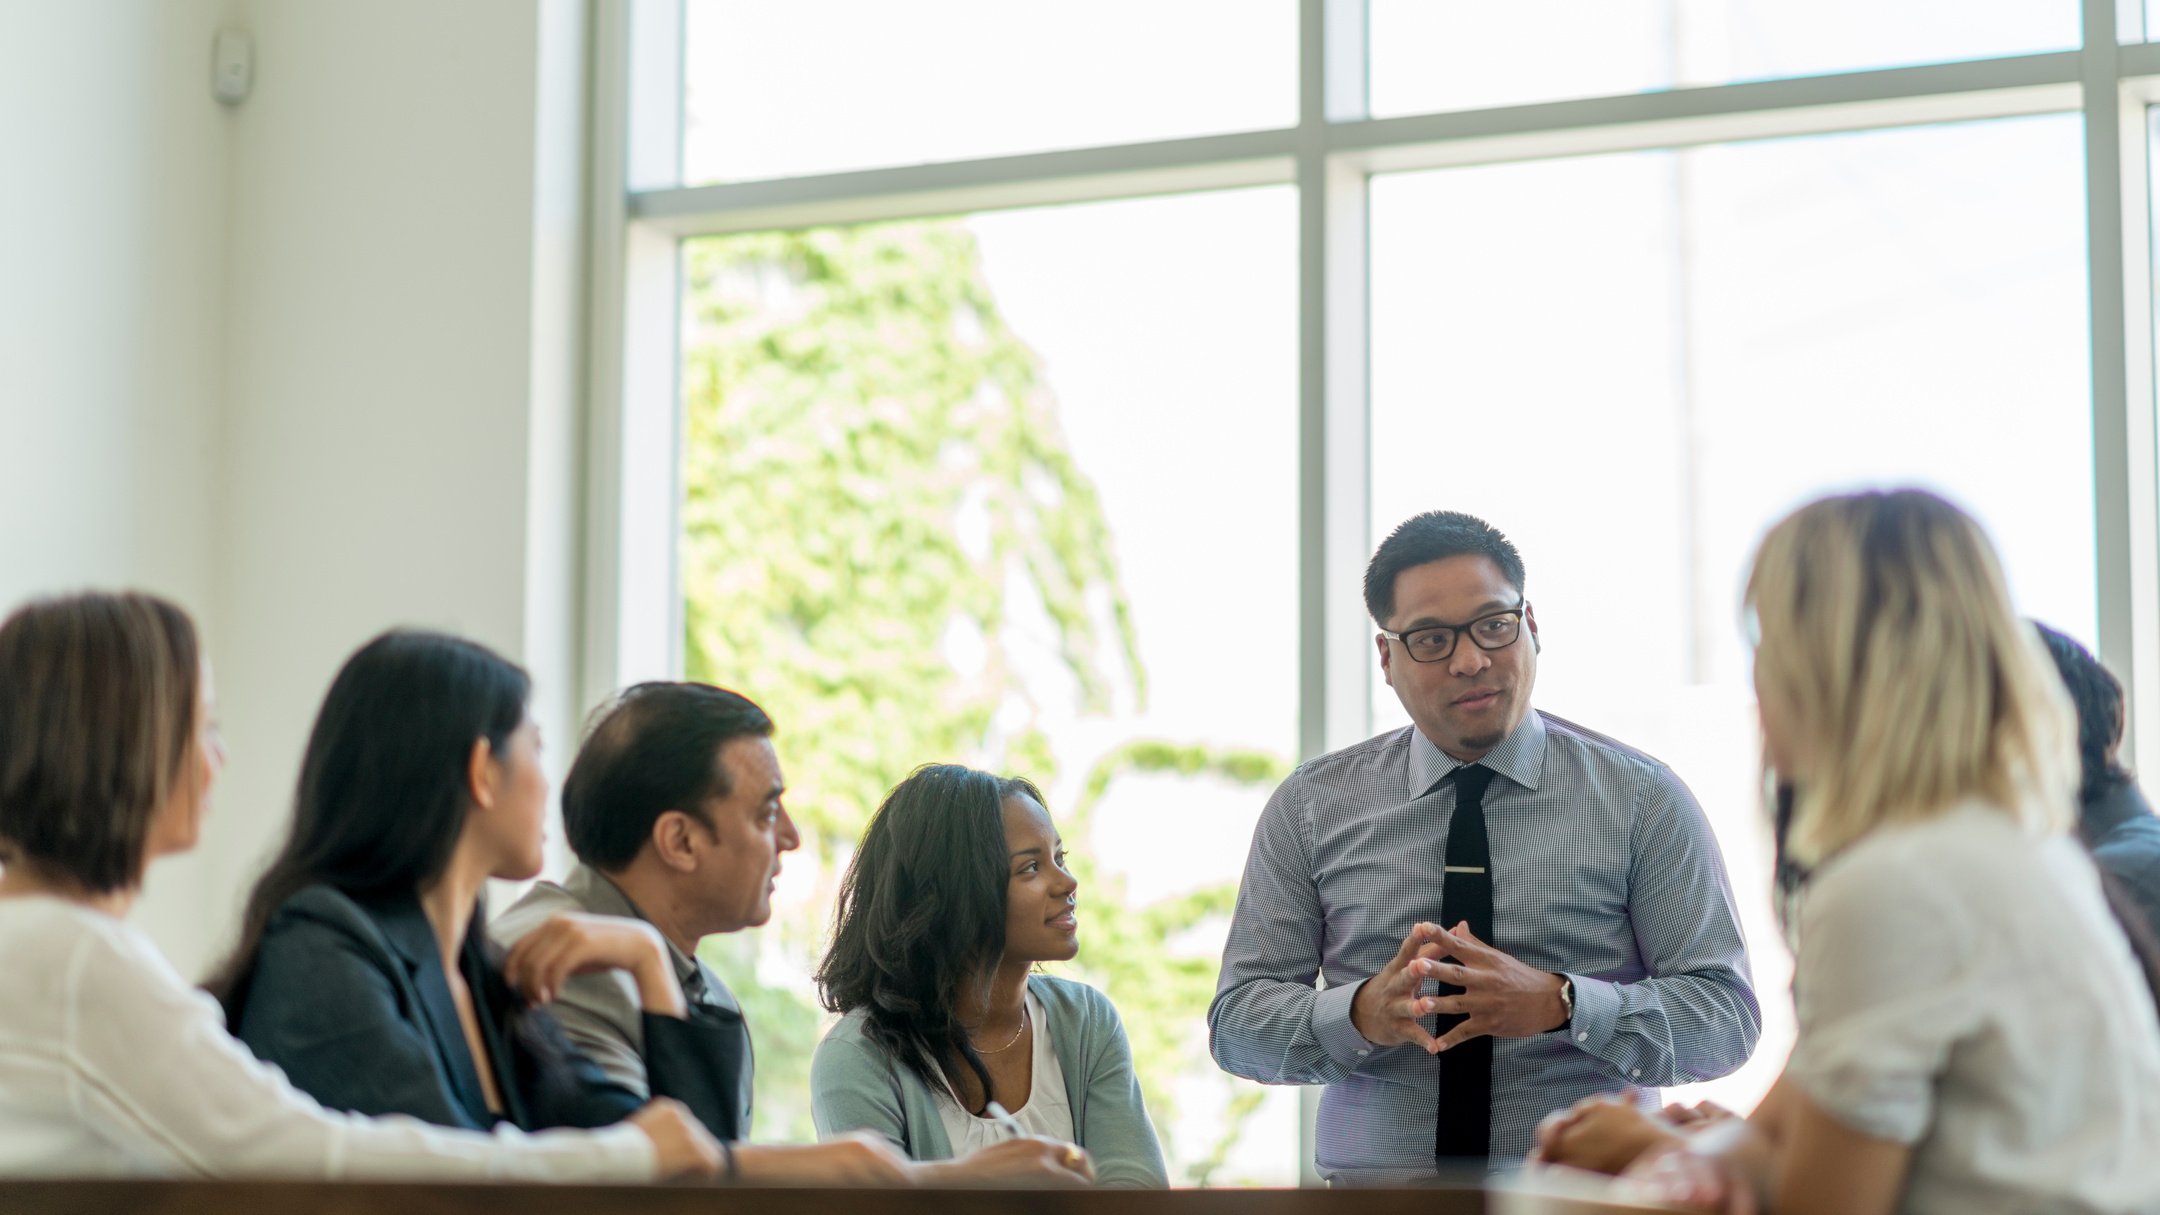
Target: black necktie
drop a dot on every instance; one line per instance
(694, 990)
(1465, 1125)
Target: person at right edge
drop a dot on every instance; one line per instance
(2114, 819)
(1506, 911)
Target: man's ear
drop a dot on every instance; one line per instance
(1529, 615)
(1387, 675)
(673, 840)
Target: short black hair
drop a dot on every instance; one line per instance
(1435, 535)
(2098, 696)
(654, 748)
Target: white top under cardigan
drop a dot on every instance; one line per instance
(112, 1066)
(1963, 989)
(1047, 1111)
(856, 1085)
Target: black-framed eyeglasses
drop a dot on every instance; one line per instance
(1435, 643)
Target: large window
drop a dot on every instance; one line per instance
(1026, 384)
(1451, 55)
(926, 467)
(1642, 360)
(820, 86)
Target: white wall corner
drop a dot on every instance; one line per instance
(554, 504)
(400, 421)
(112, 325)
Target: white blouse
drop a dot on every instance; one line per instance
(112, 1066)
(1048, 1112)
(1963, 989)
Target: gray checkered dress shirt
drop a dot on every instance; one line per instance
(1603, 869)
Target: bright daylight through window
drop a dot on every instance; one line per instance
(974, 426)
(1448, 56)
(932, 70)
(1043, 375)
(1889, 307)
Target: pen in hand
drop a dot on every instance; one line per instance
(1070, 1157)
(1005, 1119)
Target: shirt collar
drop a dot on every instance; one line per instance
(1520, 757)
(596, 893)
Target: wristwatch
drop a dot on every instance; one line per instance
(1567, 1001)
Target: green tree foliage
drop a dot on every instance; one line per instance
(876, 481)
(1132, 952)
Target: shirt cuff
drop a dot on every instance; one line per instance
(1597, 1011)
(628, 1155)
(1331, 1025)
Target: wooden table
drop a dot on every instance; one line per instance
(319, 1198)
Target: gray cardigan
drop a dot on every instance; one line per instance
(855, 1085)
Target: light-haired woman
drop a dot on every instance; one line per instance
(1975, 1033)
(110, 1064)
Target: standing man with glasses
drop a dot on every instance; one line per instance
(1504, 912)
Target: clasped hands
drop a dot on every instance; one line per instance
(1500, 996)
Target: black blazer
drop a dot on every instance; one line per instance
(348, 996)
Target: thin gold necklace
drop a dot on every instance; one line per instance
(1010, 1042)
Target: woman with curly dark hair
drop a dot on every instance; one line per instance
(949, 1039)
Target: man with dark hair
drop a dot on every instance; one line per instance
(1466, 924)
(673, 810)
(673, 807)
(2114, 819)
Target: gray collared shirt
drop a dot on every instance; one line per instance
(1603, 869)
(601, 1011)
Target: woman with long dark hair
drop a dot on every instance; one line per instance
(362, 968)
(111, 1065)
(949, 1039)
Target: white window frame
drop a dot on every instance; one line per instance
(641, 211)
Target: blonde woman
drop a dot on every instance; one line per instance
(1975, 1033)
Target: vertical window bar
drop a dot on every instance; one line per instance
(1334, 692)
(2116, 469)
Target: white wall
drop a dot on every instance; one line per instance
(398, 363)
(112, 226)
(309, 365)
